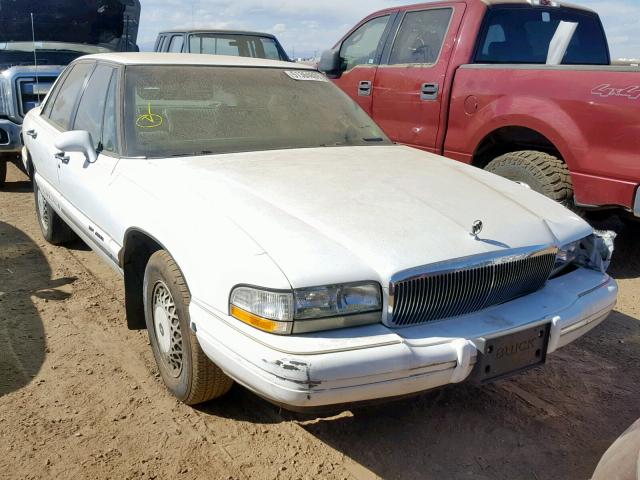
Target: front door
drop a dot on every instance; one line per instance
(85, 186)
(407, 98)
(360, 54)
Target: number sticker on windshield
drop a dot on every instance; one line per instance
(149, 119)
(308, 76)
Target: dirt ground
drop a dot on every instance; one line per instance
(80, 396)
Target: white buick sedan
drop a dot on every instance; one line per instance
(269, 233)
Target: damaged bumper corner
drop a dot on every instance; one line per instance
(374, 362)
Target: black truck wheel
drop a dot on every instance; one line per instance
(3, 171)
(540, 171)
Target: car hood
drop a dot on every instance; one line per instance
(343, 214)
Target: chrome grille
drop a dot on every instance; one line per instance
(451, 289)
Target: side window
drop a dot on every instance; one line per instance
(91, 108)
(65, 102)
(160, 45)
(109, 129)
(421, 37)
(46, 111)
(177, 41)
(361, 46)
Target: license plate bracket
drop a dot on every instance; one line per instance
(506, 355)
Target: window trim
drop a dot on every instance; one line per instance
(403, 16)
(55, 89)
(84, 91)
(74, 110)
(181, 35)
(482, 33)
(384, 38)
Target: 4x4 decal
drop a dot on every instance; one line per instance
(606, 90)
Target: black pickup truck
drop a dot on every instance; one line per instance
(63, 31)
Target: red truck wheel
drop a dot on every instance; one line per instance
(540, 171)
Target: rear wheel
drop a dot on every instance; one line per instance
(53, 228)
(186, 371)
(539, 171)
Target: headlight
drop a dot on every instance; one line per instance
(593, 252)
(566, 256)
(308, 309)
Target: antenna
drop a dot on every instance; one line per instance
(35, 57)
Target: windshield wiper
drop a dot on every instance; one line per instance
(192, 154)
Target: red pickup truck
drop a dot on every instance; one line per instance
(522, 88)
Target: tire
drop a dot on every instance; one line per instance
(53, 228)
(540, 171)
(186, 371)
(3, 172)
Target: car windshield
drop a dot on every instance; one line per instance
(235, 45)
(198, 110)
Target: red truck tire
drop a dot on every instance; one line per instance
(540, 171)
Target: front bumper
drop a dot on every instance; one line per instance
(375, 362)
(10, 141)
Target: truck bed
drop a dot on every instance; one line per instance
(590, 113)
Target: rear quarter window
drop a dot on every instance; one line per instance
(515, 34)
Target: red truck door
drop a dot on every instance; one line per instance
(360, 53)
(407, 94)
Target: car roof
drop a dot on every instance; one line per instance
(216, 30)
(153, 58)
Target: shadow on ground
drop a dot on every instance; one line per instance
(24, 273)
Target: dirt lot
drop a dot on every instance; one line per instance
(80, 396)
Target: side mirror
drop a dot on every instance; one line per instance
(330, 62)
(77, 141)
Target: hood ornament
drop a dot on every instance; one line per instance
(476, 228)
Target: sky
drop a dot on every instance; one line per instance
(307, 27)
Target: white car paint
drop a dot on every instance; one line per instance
(298, 218)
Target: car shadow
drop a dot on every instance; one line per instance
(552, 422)
(24, 273)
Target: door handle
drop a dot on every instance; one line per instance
(429, 91)
(32, 133)
(62, 157)
(364, 88)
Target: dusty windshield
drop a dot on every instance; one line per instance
(235, 45)
(198, 110)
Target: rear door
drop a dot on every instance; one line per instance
(55, 118)
(360, 54)
(407, 94)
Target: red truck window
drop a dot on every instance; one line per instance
(361, 47)
(516, 34)
(421, 37)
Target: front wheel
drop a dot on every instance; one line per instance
(539, 171)
(186, 371)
